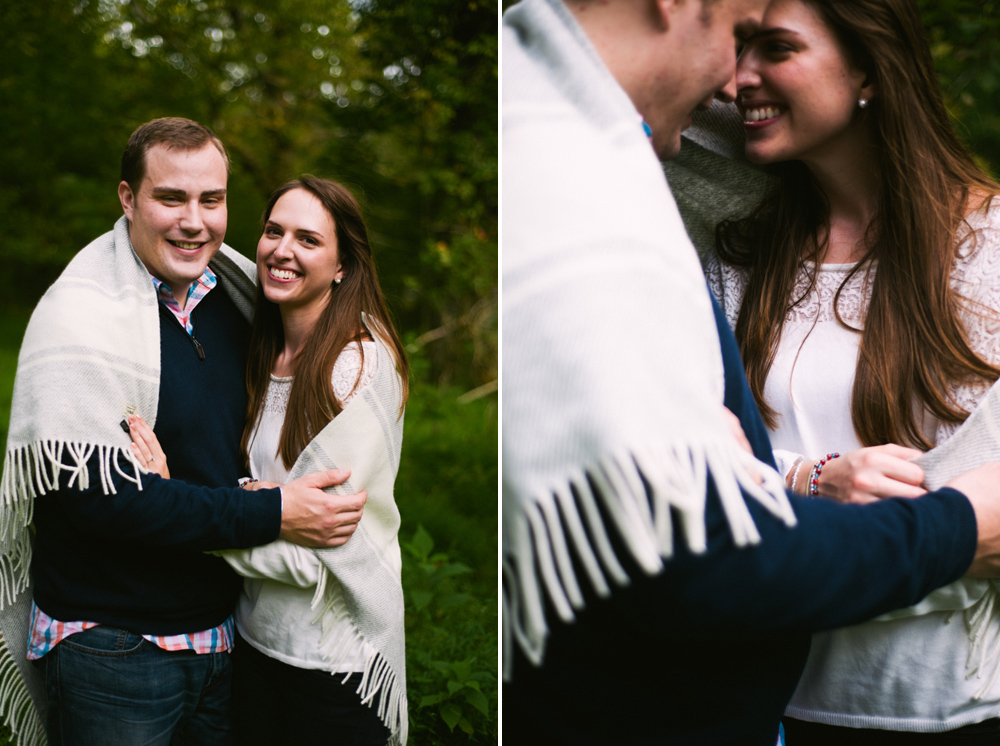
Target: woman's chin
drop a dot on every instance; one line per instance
(760, 157)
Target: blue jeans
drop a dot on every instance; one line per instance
(111, 687)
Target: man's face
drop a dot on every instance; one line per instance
(702, 64)
(177, 220)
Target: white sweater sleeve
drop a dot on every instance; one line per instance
(280, 560)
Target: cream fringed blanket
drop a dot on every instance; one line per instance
(367, 437)
(92, 347)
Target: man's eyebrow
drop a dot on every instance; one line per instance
(746, 29)
(165, 190)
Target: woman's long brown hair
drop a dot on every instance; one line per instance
(355, 303)
(913, 342)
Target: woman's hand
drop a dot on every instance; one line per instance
(146, 447)
(870, 474)
(736, 430)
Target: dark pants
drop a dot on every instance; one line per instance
(800, 733)
(275, 704)
(111, 687)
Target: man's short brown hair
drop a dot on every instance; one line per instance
(173, 132)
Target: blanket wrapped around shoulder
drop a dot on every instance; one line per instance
(92, 348)
(367, 437)
(613, 381)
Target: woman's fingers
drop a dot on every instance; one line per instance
(873, 473)
(146, 446)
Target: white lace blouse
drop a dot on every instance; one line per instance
(273, 613)
(907, 674)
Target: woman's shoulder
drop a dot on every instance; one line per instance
(727, 283)
(356, 364)
(978, 256)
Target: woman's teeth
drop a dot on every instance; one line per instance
(283, 274)
(760, 114)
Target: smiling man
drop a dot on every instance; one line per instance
(659, 586)
(129, 619)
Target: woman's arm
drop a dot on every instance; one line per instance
(280, 560)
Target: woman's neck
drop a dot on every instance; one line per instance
(847, 179)
(297, 325)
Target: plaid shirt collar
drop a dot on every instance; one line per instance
(198, 290)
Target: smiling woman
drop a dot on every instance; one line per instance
(865, 295)
(327, 375)
(297, 259)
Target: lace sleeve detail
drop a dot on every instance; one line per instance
(728, 284)
(347, 368)
(977, 279)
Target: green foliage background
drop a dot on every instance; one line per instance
(396, 99)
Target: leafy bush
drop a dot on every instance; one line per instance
(450, 653)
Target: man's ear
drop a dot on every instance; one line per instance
(127, 198)
(663, 11)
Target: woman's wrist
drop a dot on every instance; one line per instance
(812, 485)
(792, 479)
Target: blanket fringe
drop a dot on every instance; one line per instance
(33, 470)
(378, 679)
(638, 490)
(16, 707)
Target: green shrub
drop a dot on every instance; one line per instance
(451, 649)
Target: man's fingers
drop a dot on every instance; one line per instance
(327, 478)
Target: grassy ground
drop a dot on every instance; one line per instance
(447, 496)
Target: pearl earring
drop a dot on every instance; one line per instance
(336, 280)
(862, 103)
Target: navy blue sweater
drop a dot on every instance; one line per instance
(135, 559)
(710, 650)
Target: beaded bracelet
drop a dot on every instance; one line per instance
(816, 471)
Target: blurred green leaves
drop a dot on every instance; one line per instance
(398, 100)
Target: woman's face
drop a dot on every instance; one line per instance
(798, 93)
(297, 259)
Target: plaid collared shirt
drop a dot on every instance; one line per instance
(45, 633)
(198, 290)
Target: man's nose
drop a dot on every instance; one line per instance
(192, 219)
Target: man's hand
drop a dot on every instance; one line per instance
(982, 487)
(313, 518)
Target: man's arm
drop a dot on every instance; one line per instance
(171, 512)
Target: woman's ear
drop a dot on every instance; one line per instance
(869, 89)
